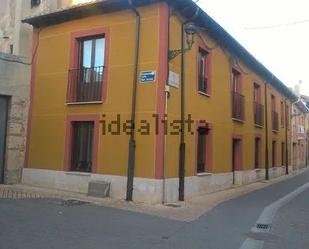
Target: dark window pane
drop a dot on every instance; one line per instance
(82, 143)
(201, 150)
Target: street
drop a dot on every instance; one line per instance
(48, 224)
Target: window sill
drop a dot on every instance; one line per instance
(259, 126)
(85, 103)
(72, 173)
(204, 174)
(275, 131)
(238, 120)
(258, 170)
(204, 94)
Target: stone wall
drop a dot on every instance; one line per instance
(15, 82)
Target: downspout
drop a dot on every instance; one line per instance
(266, 136)
(292, 118)
(132, 142)
(166, 110)
(286, 140)
(182, 147)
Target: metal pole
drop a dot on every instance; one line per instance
(266, 135)
(132, 142)
(286, 140)
(182, 148)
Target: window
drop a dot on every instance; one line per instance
(204, 149)
(11, 48)
(287, 113)
(274, 153)
(274, 116)
(283, 153)
(92, 52)
(203, 71)
(82, 146)
(236, 87)
(238, 100)
(257, 93)
(258, 107)
(257, 152)
(282, 114)
(35, 3)
(86, 79)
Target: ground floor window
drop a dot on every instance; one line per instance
(82, 146)
(283, 153)
(274, 153)
(257, 153)
(236, 156)
(201, 150)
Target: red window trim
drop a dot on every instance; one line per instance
(68, 139)
(209, 147)
(202, 46)
(74, 51)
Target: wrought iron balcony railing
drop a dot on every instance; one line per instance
(85, 85)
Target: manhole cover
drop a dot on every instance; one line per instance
(263, 226)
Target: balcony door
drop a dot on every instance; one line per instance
(3, 126)
(91, 68)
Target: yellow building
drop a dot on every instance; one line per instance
(101, 67)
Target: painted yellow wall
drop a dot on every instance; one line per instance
(216, 109)
(47, 141)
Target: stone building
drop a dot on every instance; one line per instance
(14, 101)
(15, 70)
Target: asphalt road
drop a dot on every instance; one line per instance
(47, 224)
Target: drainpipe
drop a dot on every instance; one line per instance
(266, 136)
(132, 142)
(167, 93)
(286, 141)
(182, 147)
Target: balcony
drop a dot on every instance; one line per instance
(258, 114)
(275, 121)
(238, 106)
(85, 85)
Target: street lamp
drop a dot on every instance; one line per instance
(190, 30)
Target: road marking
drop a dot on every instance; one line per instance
(268, 216)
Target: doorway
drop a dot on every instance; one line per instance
(236, 156)
(4, 102)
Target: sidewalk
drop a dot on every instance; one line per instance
(181, 211)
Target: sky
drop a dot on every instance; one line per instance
(276, 32)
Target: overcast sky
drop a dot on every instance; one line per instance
(276, 32)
